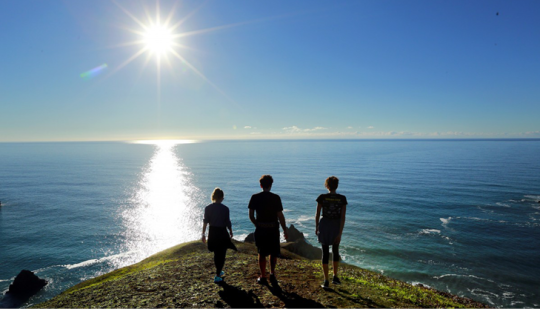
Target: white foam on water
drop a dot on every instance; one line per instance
(240, 237)
(508, 295)
(82, 264)
(416, 283)
(503, 204)
(467, 276)
(304, 218)
(96, 261)
(486, 295)
(518, 303)
(448, 239)
(535, 198)
(429, 231)
(445, 221)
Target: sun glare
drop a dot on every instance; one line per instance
(158, 39)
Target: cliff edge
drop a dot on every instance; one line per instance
(182, 276)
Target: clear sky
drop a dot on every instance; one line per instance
(268, 69)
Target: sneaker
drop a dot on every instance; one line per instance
(262, 280)
(273, 279)
(222, 273)
(335, 280)
(218, 279)
(325, 284)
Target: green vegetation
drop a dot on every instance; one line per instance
(182, 276)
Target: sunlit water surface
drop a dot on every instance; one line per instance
(460, 216)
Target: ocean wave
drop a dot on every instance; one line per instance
(503, 204)
(445, 221)
(484, 294)
(508, 295)
(429, 231)
(416, 283)
(467, 276)
(97, 261)
(514, 303)
(535, 198)
(82, 264)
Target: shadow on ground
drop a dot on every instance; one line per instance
(238, 298)
(292, 300)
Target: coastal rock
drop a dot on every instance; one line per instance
(298, 244)
(23, 287)
(304, 249)
(26, 284)
(293, 233)
(250, 238)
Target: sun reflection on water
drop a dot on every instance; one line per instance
(165, 208)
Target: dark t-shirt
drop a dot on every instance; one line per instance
(266, 206)
(217, 215)
(331, 205)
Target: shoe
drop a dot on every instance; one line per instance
(273, 279)
(222, 273)
(262, 280)
(335, 280)
(218, 279)
(325, 284)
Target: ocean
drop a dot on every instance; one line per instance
(461, 216)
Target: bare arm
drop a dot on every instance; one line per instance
(317, 218)
(204, 232)
(281, 218)
(252, 217)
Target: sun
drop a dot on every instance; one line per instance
(158, 39)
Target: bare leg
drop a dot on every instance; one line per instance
(273, 262)
(262, 265)
(336, 266)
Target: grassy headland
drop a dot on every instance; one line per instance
(182, 276)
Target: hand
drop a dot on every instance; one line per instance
(285, 235)
(338, 240)
(317, 230)
(230, 233)
(203, 239)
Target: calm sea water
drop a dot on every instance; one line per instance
(459, 216)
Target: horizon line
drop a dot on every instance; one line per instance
(135, 141)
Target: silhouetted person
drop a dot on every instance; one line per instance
(265, 210)
(330, 227)
(217, 216)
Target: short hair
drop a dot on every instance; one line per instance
(266, 181)
(331, 183)
(217, 194)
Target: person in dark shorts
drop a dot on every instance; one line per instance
(217, 216)
(330, 227)
(265, 210)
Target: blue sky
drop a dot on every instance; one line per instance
(270, 69)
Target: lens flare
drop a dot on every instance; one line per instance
(94, 72)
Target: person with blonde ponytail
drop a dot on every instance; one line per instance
(217, 216)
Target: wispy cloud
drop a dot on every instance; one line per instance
(295, 129)
(371, 127)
